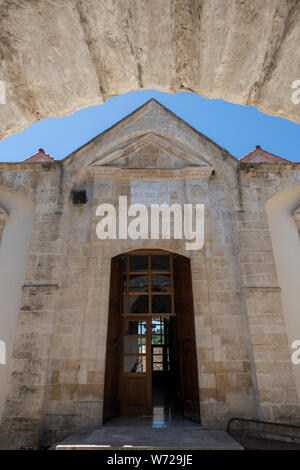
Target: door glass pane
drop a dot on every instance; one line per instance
(124, 303)
(161, 304)
(160, 262)
(134, 364)
(158, 325)
(157, 350)
(135, 327)
(138, 304)
(160, 282)
(158, 331)
(160, 328)
(135, 345)
(158, 339)
(158, 367)
(139, 283)
(139, 263)
(124, 263)
(158, 358)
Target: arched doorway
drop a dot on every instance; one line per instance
(286, 250)
(151, 363)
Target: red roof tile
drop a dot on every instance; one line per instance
(259, 155)
(40, 156)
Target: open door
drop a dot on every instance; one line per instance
(151, 347)
(186, 337)
(112, 368)
(135, 377)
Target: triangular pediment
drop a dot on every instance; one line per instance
(152, 142)
(150, 151)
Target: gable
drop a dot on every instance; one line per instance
(151, 137)
(150, 151)
(153, 143)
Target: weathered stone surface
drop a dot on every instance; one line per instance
(3, 218)
(58, 56)
(145, 437)
(296, 217)
(55, 379)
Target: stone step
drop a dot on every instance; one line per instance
(150, 438)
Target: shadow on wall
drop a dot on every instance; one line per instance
(286, 248)
(13, 256)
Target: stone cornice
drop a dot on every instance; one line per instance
(149, 173)
(43, 287)
(261, 166)
(3, 215)
(248, 289)
(296, 216)
(135, 145)
(28, 166)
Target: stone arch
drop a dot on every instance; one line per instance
(13, 256)
(126, 46)
(286, 248)
(3, 219)
(171, 250)
(144, 245)
(2, 352)
(11, 185)
(178, 269)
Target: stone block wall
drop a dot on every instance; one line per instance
(296, 216)
(3, 218)
(267, 325)
(57, 371)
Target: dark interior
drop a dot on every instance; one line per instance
(165, 370)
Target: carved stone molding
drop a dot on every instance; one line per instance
(40, 287)
(249, 289)
(173, 148)
(3, 218)
(296, 217)
(151, 174)
(3, 215)
(149, 192)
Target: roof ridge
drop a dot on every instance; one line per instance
(42, 154)
(258, 148)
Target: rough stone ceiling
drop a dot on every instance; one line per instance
(57, 56)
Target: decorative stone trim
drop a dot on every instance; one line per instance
(151, 174)
(130, 147)
(44, 287)
(3, 219)
(23, 166)
(262, 289)
(253, 167)
(296, 217)
(3, 215)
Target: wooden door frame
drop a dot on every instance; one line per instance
(148, 318)
(111, 404)
(186, 335)
(148, 375)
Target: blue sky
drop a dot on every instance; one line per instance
(236, 128)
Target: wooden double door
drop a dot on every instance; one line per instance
(151, 334)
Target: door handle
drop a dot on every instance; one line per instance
(187, 343)
(113, 343)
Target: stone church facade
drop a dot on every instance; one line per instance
(55, 275)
